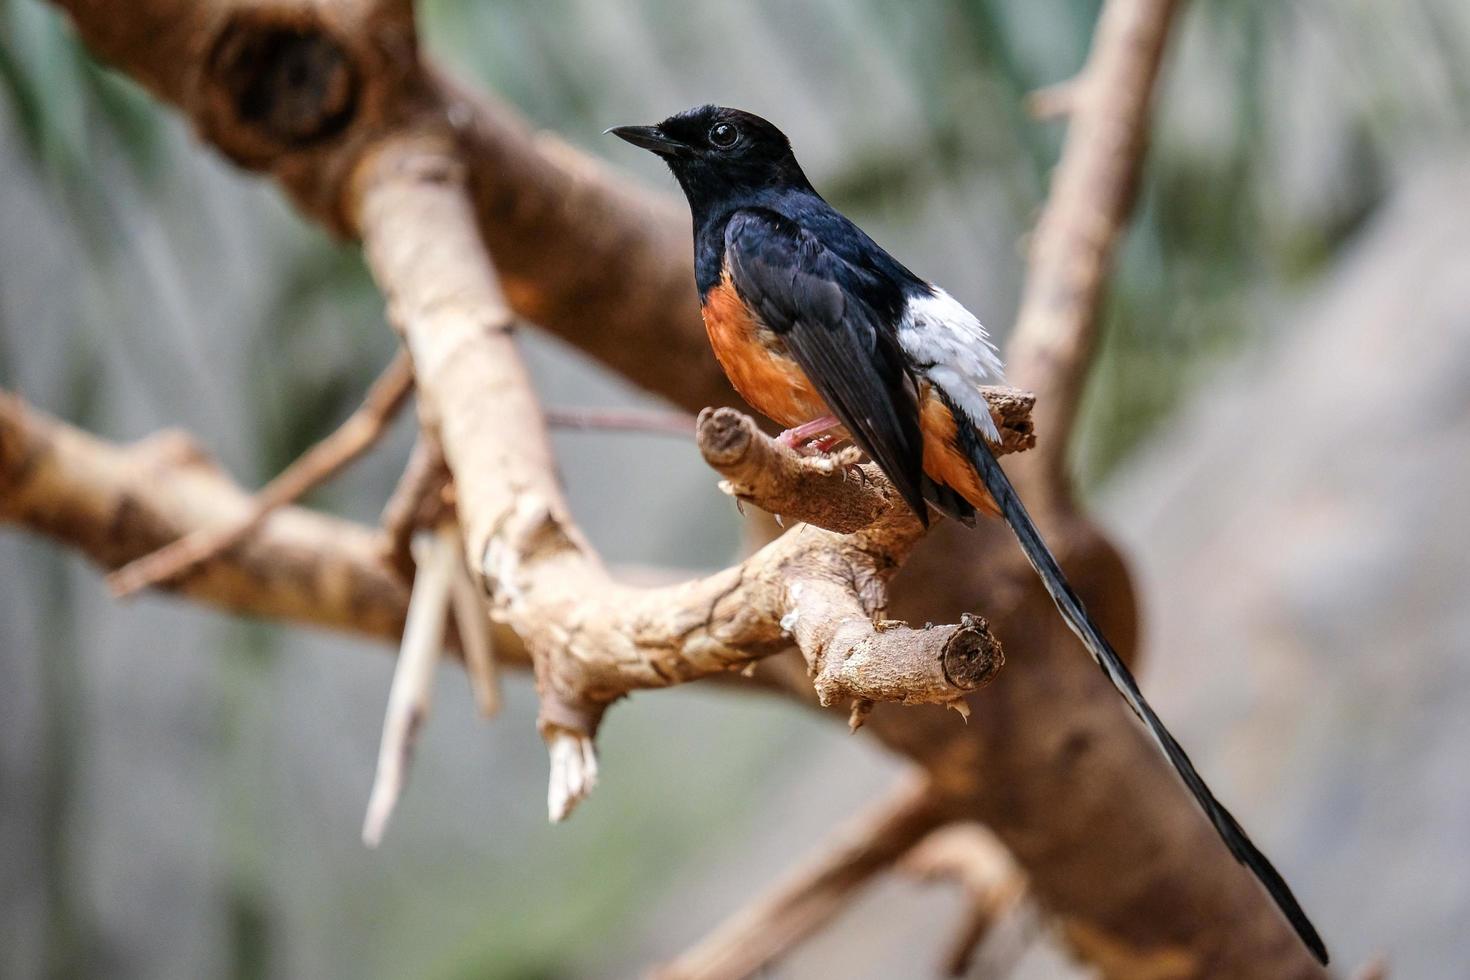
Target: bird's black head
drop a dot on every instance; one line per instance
(720, 155)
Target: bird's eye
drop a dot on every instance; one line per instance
(723, 135)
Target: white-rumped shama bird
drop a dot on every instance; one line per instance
(822, 330)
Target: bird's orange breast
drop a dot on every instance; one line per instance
(759, 367)
(756, 362)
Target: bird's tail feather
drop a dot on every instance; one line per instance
(1102, 652)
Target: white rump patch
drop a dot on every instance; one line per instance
(950, 347)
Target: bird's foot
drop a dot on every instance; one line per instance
(811, 438)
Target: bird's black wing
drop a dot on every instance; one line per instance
(820, 306)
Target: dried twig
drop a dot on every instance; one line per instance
(417, 502)
(994, 886)
(649, 421)
(437, 555)
(769, 927)
(1054, 101)
(472, 620)
(318, 464)
(117, 503)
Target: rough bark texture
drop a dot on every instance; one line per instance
(830, 491)
(305, 91)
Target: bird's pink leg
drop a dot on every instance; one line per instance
(811, 438)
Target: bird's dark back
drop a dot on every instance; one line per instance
(877, 277)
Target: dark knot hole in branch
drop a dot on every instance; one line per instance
(285, 84)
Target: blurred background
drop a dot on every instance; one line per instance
(1278, 431)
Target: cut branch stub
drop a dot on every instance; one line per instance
(972, 655)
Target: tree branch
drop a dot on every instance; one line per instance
(317, 465)
(994, 886)
(591, 640)
(830, 491)
(117, 503)
(771, 926)
(1050, 350)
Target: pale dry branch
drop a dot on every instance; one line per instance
(436, 555)
(773, 924)
(113, 503)
(1053, 101)
(318, 464)
(472, 621)
(1071, 252)
(117, 503)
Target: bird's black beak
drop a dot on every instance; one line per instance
(649, 138)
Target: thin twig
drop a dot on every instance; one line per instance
(1054, 101)
(318, 464)
(416, 502)
(437, 554)
(773, 924)
(621, 420)
(993, 883)
(473, 621)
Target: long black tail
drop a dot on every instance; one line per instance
(1076, 616)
